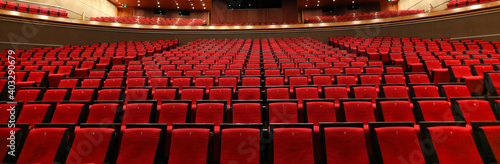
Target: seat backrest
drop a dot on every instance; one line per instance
(133, 140)
(335, 92)
(274, 81)
(221, 94)
(446, 150)
(55, 95)
(250, 81)
(35, 113)
(425, 91)
(456, 91)
(395, 91)
(302, 93)
(204, 82)
(165, 94)
(139, 113)
(293, 145)
(247, 112)
(51, 140)
(320, 111)
(189, 143)
(91, 83)
(68, 113)
(474, 110)
(27, 95)
(138, 94)
(278, 93)
(398, 144)
(345, 145)
(192, 94)
(283, 112)
(396, 111)
(434, 110)
(101, 151)
(418, 78)
(249, 94)
(174, 112)
(365, 92)
(394, 79)
(114, 82)
(358, 111)
(210, 113)
(231, 140)
(491, 134)
(109, 94)
(103, 113)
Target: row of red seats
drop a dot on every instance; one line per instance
(360, 16)
(336, 95)
(285, 143)
(252, 24)
(462, 3)
(292, 59)
(442, 66)
(33, 9)
(152, 21)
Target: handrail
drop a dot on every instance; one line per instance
(441, 4)
(415, 4)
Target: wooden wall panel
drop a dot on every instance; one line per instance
(172, 14)
(220, 13)
(342, 9)
(125, 12)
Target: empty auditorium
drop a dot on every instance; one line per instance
(249, 81)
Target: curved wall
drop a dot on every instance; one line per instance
(22, 30)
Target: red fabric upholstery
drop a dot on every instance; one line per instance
(398, 144)
(67, 113)
(210, 113)
(246, 113)
(189, 146)
(231, 144)
(278, 93)
(173, 113)
(46, 140)
(283, 112)
(96, 139)
(137, 113)
(457, 138)
(33, 113)
(293, 145)
(135, 148)
(102, 113)
(492, 133)
(426, 91)
(249, 94)
(345, 145)
(476, 110)
(359, 111)
(436, 110)
(397, 111)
